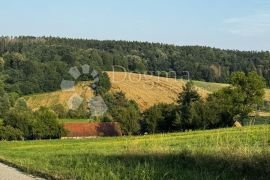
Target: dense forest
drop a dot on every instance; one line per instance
(38, 64)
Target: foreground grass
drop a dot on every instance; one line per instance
(217, 154)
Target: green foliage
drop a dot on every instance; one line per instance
(47, 126)
(22, 120)
(135, 64)
(125, 112)
(186, 101)
(9, 133)
(241, 98)
(103, 85)
(34, 65)
(42, 124)
(219, 110)
(4, 101)
(106, 118)
(13, 97)
(59, 110)
(250, 88)
(81, 112)
(4, 105)
(160, 118)
(21, 105)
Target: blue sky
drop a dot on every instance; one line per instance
(229, 24)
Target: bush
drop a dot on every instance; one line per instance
(47, 126)
(9, 133)
(128, 118)
(60, 110)
(22, 120)
(42, 124)
(106, 118)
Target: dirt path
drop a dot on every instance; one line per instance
(9, 173)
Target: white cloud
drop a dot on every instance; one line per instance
(248, 26)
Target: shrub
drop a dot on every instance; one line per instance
(22, 120)
(9, 133)
(60, 110)
(106, 118)
(47, 126)
(42, 124)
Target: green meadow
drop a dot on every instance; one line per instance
(229, 153)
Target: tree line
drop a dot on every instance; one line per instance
(191, 112)
(38, 64)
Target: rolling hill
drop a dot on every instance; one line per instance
(146, 90)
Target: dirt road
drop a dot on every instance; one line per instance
(9, 173)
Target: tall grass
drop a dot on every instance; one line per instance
(215, 154)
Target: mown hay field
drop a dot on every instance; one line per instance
(146, 90)
(231, 153)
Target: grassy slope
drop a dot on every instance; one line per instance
(224, 154)
(144, 89)
(49, 99)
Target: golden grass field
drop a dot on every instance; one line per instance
(146, 90)
(59, 97)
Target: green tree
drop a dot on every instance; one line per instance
(250, 91)
(22, 120)
(47, 126)
(128, 118)
(235, 102)
(151, 118)
(125, 112)
(104, 84)
(186, 98)
(4, 101)
(161, 118)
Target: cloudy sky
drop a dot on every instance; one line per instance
(228, 24)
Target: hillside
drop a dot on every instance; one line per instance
(38, 64)
(216, 154)
(58, 97)
(146, 90)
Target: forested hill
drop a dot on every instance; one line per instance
(30, 65)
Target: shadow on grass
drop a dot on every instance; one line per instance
(163, 166)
